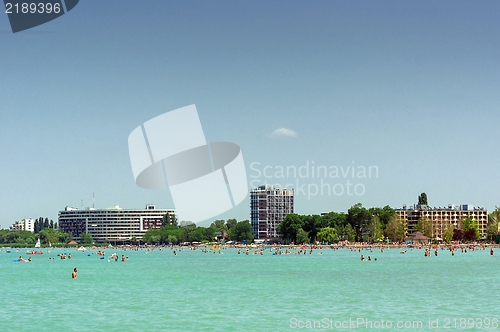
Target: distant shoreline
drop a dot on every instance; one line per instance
(356, 245)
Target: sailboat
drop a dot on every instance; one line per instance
(34, 252)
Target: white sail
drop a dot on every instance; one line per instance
(37, 245)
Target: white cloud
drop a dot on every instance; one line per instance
(283, 132)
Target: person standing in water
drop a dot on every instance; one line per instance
(73, 275)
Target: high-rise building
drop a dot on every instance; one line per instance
(268, 207)
(113, 224)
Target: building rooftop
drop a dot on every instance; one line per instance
(112, 207)
(454, 207)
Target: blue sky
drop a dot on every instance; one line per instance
(408, 87)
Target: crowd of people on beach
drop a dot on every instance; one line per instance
(309, 249)
(275, 249)
(279, 249)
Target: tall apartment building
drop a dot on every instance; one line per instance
(23, 225)
(113, 224)
(443, 217)
(268, 207)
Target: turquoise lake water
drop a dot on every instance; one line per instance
(195, 291)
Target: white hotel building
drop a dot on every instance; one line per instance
(24, 225)
(113, 224)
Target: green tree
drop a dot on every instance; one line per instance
(448, 234)
(491, 231)
(289, 227)
(471, 229)
(219, 225)
(187, 230)
(24, 237)
(169, 220)
(493, 224)
(63, 237)
(171, 230)
(312, 225)
(172, 239)
(335, 220)
(495, 215)
(209, 234)
(396, 229)
(359, 218)
(384, 214)
(349, 233)
(230, 223)
(375, 229)
(155, 239)
(152, 236)
(48, 235)
(302, 236)
(422, 199)
(424, 226)
(18, 237)
(327, 234)
(241, 232)
(86, 238)
(197, 234)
